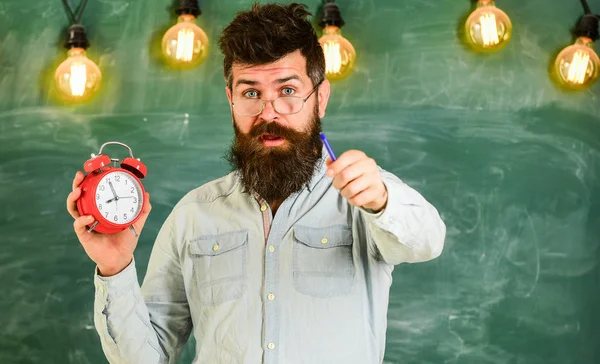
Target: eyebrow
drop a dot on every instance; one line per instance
(243, 81)
(287, 79)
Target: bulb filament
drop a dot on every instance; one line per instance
(578, 67)
(489, 29)
(78, 79)
(185, 45)
(333, 57)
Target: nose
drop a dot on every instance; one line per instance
(268, 112)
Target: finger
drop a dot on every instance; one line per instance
(147, 207)
(346, 159)
(139, 224)
(80, 227)
(77, 180)
(72, 202)
(365, 197)
(356, 186)
(354, 171)
(328, 161)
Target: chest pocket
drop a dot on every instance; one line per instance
(323, 265)
(219, 264)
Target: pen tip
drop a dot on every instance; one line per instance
(322, 136)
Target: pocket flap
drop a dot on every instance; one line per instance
(325, 237)
(219, 243)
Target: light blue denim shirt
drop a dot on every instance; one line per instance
(307, 286)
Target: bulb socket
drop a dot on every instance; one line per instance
(331, 16)
(190, 7)
(76, 37)
(587, 27)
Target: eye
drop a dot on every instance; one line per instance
(251, 94)
(288, 91)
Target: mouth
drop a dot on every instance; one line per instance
(270, 140)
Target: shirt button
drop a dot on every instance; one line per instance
(263, 207)
(271, 296)
(324, 240)
(216, 247)
(271, 346)
(271, 248)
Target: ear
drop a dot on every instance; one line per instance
(323, 91)
(228, 91)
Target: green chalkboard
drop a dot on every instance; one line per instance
(511, 162)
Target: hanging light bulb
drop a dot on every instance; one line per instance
(340, 55)
(488, 28)
(77, 78)
(577, 66)
(185, 44)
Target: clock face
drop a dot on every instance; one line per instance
(119, 197)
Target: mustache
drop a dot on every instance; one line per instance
(275, 129)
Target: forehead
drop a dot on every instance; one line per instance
(293, 64)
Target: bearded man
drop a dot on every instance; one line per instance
(289, 258)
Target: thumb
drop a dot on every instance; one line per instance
(80, 226)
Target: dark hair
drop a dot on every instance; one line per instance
(267, 33)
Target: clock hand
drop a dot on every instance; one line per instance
(113, 190)
(116, 199)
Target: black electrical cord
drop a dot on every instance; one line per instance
(586, 7)
(75, 19)
(76, 37)
(588, 24)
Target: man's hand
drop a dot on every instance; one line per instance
(111, 252)
(359, 180)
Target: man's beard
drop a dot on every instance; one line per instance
(274, 173)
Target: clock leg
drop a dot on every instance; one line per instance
(93, 226)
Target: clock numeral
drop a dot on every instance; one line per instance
(116, 218)
(100, 207)
(108, 180)
(125, 216)
(106, 214)
(101, 187)
(132, 190)
(118, 178)
(135, 200)
(97, 196)
(125, 181)
(132, 209)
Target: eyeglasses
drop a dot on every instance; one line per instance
(284, 105)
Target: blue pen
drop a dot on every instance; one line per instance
(329, 150)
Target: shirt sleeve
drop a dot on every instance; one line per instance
(409, 229)
(146, 325)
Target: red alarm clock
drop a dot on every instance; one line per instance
(113, 196)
